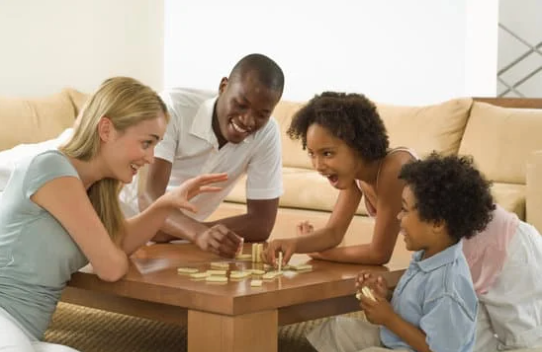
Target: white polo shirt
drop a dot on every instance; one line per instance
(192, 147)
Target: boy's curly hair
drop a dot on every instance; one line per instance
(350, 117)
(450, 189)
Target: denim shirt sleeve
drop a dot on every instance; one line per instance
(447, 324)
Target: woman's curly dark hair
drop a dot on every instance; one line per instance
(450, 189)
(351, 117)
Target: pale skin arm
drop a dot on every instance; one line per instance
(66, 199)
(140, 228)
(255, 225)
(177, 225)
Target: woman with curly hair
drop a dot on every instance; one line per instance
(348, 144)
(434, 305)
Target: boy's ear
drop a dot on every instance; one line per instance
(438, 226)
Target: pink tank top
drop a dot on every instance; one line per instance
(371, 208)
(486, 252)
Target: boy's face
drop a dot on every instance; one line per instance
(418, 234)
(332, 157)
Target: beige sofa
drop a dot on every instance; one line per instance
(504, 141)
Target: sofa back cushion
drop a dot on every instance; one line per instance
(501, 140)
(426, 128)
(32, 120)
(422, 128)
(293, 154)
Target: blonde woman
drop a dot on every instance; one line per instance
(60, 209)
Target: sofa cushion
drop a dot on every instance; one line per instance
(78, 99)
(32, 120)
(426, 128)
(511, 197)
(300, 187)
(501, 140)
(423, 128)
(293, 154)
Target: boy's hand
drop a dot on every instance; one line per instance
(378, 312)
(377, 284)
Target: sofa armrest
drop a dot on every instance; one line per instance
(533, 192)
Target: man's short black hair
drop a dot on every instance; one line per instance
(266, 70)
(450, 189)
(350, 117)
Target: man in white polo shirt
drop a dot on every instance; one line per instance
(232, 133)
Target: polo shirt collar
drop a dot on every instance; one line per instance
(447, 256)
(202, 124)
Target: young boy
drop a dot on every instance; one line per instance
(434, 305)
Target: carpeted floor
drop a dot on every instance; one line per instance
(92, 330)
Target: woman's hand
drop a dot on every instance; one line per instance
(270, 253)
(181, 195)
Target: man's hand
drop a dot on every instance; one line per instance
(219, 240)
(286, 246)
(376, 283)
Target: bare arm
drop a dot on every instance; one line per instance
(380, 312)
(177, 225)
(217, 238)
(386, 229)
(66, 199)
(409, 333)
(256, 225)
(142, 227)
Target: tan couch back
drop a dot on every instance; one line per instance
(423, 128)
(32, 120)
(501, 140)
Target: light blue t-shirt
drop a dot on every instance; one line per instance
(37, 255)
(437, 296)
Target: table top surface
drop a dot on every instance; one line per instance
(153, 277)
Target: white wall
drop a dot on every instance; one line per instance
(481, 48)
(46, 45)
(400, 51)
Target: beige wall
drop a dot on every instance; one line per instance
(47, 45)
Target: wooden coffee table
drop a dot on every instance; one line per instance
(226, 317)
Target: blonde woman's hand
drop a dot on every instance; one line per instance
(180, 196)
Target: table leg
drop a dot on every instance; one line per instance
(242, 333)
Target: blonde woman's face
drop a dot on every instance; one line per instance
(126, 152)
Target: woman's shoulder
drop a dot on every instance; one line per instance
(50, 162)
(394, 161)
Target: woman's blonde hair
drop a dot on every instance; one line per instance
(126, 102)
